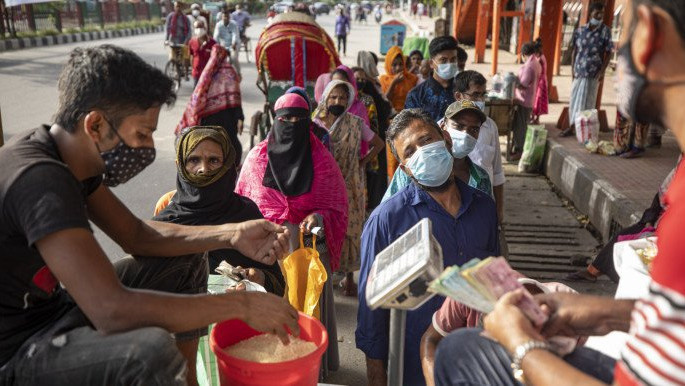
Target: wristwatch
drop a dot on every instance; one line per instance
(521, 351)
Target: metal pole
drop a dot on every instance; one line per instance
(398, 327)
(2, 141)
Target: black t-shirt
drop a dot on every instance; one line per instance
(38, 196)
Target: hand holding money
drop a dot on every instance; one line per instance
(507, 323)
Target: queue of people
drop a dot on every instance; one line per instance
(318, 167)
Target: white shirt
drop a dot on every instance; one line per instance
(487, 153)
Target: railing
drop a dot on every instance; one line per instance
(55, 17)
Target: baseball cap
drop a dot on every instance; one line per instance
(463, 105)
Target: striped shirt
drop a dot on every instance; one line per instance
(654, 353)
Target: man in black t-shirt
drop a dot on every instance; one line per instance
(95, 328)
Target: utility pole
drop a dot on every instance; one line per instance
(2, 141)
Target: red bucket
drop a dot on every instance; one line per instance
(234, 371)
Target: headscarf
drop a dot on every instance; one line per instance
(402, 88)
(322, 111)
(321, 83)
(189, 141)
(217, 89)
(210, 200)
(290, 169)
(319, 132)
(357, 108)
(203, 199)
(301, 92)
(327, 195)
(366, 62)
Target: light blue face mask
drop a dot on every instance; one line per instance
(462, 143)
(431, 165)
(594, 22)
(447, 71)
(480, 105)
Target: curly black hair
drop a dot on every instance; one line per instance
(402, 121)
(112, 79)
(442, 43)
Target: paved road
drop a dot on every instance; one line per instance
(542, 233)
(28, 98)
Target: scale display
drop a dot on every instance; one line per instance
(401, 272)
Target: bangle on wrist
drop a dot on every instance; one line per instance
(520, 352)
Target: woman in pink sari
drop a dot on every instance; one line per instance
(541, 97)
(296, 182)
(216, 100)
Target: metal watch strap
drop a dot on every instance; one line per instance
(521, 351)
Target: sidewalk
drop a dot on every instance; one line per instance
(423, 26)
(44, 41)
(611, 191)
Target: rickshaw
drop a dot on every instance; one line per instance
(291, 51)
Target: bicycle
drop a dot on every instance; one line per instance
(245, 44)
(175, 68)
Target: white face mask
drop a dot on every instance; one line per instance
(462, 143)
(195, 12)
(447, 71)
(200, 32)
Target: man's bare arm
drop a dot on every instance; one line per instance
(498, 192)
(264, 243)
(78, 262)
(429, 343)
(375, 372)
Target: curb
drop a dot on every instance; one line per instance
(607, 208)
(414, 27)
(44, 41)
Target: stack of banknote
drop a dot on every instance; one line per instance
(480, 283)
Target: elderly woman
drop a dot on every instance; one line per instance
(347, 131)
(296, 182)
(204, 196)
(206, 171)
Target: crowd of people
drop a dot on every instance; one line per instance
(365, 159)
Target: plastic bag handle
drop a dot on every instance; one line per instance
(302, 240)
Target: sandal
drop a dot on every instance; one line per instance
(349, 290)
(579, 276)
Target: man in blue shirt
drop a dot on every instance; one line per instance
(436, 93)
(464, 223)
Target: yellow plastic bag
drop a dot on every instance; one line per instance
(305, 275)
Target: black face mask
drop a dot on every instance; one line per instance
(336, 110)
(362, 84)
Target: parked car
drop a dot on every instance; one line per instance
(320, 8)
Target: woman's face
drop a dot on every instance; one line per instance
(206, 157)
(359, 77)
(415, 60)
(337, 96)
(397, 66)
